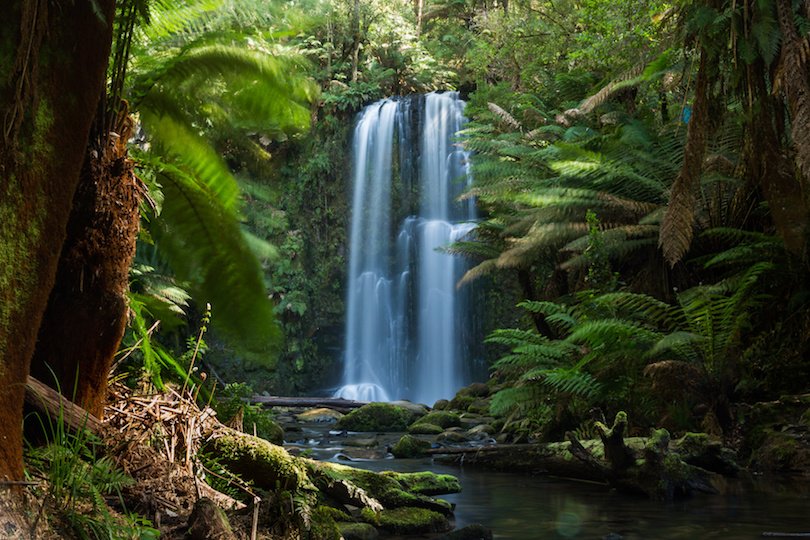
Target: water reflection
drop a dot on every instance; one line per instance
(524, 508)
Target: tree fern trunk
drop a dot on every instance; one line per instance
(49, 89)
(771, 167)
(677, 226)
(795, 79)
(87, 310)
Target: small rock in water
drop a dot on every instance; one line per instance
(320, 415)
(361, 442)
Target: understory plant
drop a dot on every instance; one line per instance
(622, 350)
(76, 484)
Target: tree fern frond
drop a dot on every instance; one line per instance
(481, 269)
(681, 345)
(513, 337)
(613, 332)
(210, 171)
(204, 244)
(568, 381)
(504, 116)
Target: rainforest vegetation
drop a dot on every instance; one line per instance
(174, 212)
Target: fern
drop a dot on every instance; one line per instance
(569, 381)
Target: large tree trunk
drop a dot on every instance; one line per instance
(49, 91)
(87, 310)
(796, 87)
(773, 169)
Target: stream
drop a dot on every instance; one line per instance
(535, 507)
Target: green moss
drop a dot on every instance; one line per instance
(358, 531)
(426, 483)
(693, 443)
(443, 419)
(479, 406)
(377, 417)
(461, 402)
(323, 525)
(441, 405)
(270, 466)
(452, 437)
(334, 513)
(422, 428)
(22, 217)
(370, 516)
(383, 487)
(413, 521)
(409, 447)
(40, 147)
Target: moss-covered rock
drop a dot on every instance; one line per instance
(426, 483)
(320, 415)
(407, 520)
(358, 531)
(377, 417)
(361, 442)
(781, 452)
(272, 431)
(441, 405)
(335, 514)
(461, 402)
(703, 451)
(777, 437)
(476, 389)
(323, 526)
(409, 447)
(481, 429)
(381, 487)
(209, 522)
(452, 437)
(443, 419)
(269, 466)
(417, 409)
(423, 428)
(479, 406)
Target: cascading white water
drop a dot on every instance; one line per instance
(405, 318)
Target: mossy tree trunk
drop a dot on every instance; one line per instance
(52, 66)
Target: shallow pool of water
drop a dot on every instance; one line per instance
(532, 507)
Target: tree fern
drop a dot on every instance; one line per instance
(192, 87)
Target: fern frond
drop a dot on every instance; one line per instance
(205, 246)
(504, 116)
(567, 381)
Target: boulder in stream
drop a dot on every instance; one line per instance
(443, 419)
(409, 447)
(320, 415)
(378, 417)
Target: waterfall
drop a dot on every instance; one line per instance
(407, 326)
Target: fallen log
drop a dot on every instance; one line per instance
(653, 466)
(339, 404)
(45, 400)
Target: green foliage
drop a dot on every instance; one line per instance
(232, 402)
(77, 480)
(197, 87)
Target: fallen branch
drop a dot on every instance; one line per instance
(339, 404)
(45, 400)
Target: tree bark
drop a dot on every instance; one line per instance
(87, 310)
(48, 96)
(772, 168)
